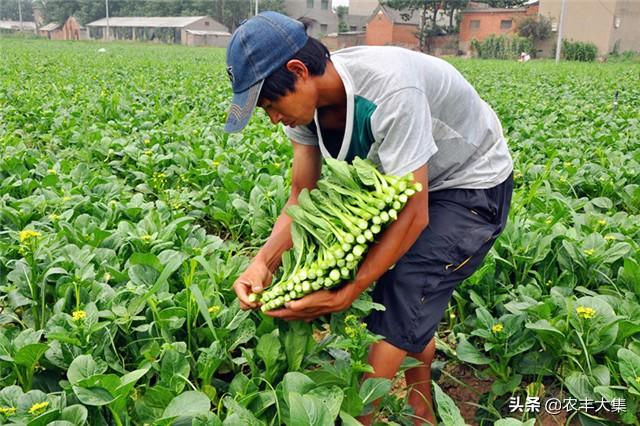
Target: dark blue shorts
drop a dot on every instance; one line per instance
(463, 225)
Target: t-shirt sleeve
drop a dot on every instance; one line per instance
(301, 134)
(402, 122)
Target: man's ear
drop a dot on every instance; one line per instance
(298, 67)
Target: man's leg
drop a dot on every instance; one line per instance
(385, 360)
(419, 386)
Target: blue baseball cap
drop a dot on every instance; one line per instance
(257, 48)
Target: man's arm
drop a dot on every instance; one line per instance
(307, 162)
(393, 244)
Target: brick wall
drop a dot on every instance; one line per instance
(405, 35)
(480, 25)
(379, 31)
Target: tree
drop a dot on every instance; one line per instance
(275, 5)
(535, 28)
(342, 12)
(9, 10)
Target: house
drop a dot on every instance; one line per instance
(207, 38)
(52, 31)
(167, 29)
(16, 26)
(612, 25)
(320, 11)
(388, 26)
(479, 21)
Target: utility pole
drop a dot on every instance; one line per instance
(257, 6)
(560, 28)
(20, 15)
(106, 5)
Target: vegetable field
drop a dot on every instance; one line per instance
(126, 214)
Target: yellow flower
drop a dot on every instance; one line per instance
(589, 252)
(585, 312)
(638, 380)
(52, 171)
(66, 198)
(517, 175)
(79, 315)
(549, 283)
(216, 163)
(452, 315)
(146, 238)
(106, 277)
(497, 328)
(602, 222)
(548, 221)
(609, 237)
(350, 332)
(38, 408)
(147, 141)
(567, 164)
(27, 234)
(214, 309)
(8, 410)
(148, 152)
(563, 179)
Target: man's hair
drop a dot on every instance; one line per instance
(314, 55)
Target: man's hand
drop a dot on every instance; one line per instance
(256, 277)
(317, 304)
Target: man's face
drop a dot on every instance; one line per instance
(296, 108)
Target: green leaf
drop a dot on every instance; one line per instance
(95, 396)
(466, 352)
(268, 349)
(448, 411)
(629, 367)
(297, 382)
(307, 410)
(188, 404)
(29, 355)
(348, 420)
(174, 369)
(83, 367)
(244, 416)
(331, 397)
(374, 388)
(76, 414)
(295, 343)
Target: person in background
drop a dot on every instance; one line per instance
(406, 112)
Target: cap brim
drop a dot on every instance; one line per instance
(242, 106)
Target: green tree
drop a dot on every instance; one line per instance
(342, 12)
(9, 10)
(535, 28)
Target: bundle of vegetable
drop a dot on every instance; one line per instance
(333, 226)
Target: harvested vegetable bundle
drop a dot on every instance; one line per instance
(333, 226)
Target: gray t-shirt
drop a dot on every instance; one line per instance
(405, 109)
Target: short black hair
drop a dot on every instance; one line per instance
(314, 55)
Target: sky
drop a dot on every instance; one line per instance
(340, 3)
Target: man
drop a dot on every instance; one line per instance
(406, 112)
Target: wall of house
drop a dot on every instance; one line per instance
(344, 40)
(628, 31)
(490, 23)
(299, 8)
(379, 31)
(585, 20)
(405, 35)
(206, 24)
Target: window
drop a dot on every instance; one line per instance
(475, 24)
(506, 24)
(324, 28)
(206, 23)
(309, 4)
(353, 28)
(324, 5)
